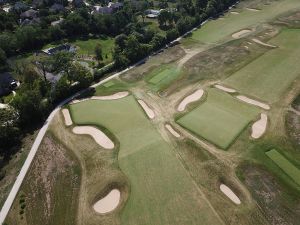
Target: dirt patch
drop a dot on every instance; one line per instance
(292, 122)
(230, 194)
(263, 44)
(260, 126)
(241, 33)
(253, 102)
(226, 89)
(97, 134)
(172, 131)
(189, 99)
(67, 116)
(108, 203)
(150, 113)
(111, 97)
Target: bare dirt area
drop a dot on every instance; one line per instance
(49, 194)
(291, 21)
(293, 127)
(271, 197)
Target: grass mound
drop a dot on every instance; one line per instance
(292, 171)
(220, 119)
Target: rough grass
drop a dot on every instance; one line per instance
(220, 119)
(161, 190)
(292, 171)
(269, 76)
(217, 30)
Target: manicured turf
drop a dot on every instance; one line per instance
(292, 171)
(216, 30)
(220, 119)
(161, 190)
(111, 87)
(163, 76)
(269, 76)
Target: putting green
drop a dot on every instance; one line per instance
(161, 190)
(162, 76)
(216, 30)
(220, 119)
(269, 76)
(292, 171)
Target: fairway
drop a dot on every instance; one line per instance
(161, 190)
(269, 76)
(216, 30)
(220, 119)
(163, 76)
(292, 171)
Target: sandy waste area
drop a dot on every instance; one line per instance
(108, 203)
(229, 90)
(229, 193)
(67, 116)
(150, 113)
(172, 131)
(241, 33)
(253, 102)
(97, 134)
(260, 126)
(191, 98)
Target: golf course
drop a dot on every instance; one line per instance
(202, 133)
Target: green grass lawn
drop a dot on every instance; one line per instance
(215, 30)
(162, 76)
(111, 87)
(161, 190)
(220, 119)
(269, 76)
(292, 171)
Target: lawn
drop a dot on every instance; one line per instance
(161, 190)
(111, 87)
(162, 76)
(292, 171)
(215, 30)
(269, 76)
(220, 119)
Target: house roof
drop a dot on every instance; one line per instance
(57, 7)
(31, 13)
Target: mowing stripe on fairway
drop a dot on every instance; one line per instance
(292, 171)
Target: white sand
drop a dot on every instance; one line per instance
(112, 97)
(97, 134)
(260, 126)
(253, 102)
(150, 113)
(108, 203)
(172, 131)
(254, 10)
(67, 116)
(3, 106)
(241, 33)
(229, 193)
(262, 43)
(191, 98)
(235, 13)
(229, 90)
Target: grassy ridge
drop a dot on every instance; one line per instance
(161, 191)
(291, 170)
(220, 119)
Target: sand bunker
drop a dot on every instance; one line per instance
(150, 113)
(254, 10)
(67, 116)
(229, 193)
(172, 131)
(191, 98)
(260, 126)
(111, 97)
(235, 13)
(253, 102)
(229, 90)
(108, 203)
(241, 33)
(97, 134)
(262, 43)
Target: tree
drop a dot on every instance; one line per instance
(163, 18)
(201, 4)
(2, 59)
(62, 88)
(62, 61)
(158, 41)
(98, 52)
(172, 34)
(81, 74)
(43, 63)
(121, 61)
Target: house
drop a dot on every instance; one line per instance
(63, 47)
(57, 8)
(7, 83)
(29, 14)
(152, 13)
(20, 7)
(30, 22)
(109, 9)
